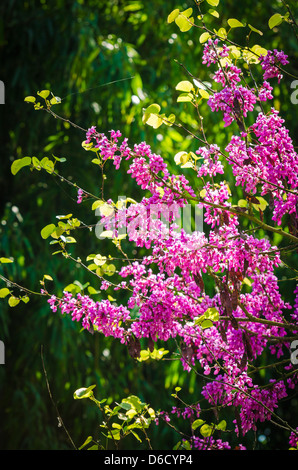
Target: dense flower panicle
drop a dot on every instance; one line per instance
(228, 74)
(213, 51)
(211, 164)
(270, 64)
(233, 101)
(265, 92)
(270, 164)
(102, 316)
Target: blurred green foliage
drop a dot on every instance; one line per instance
(106, 60)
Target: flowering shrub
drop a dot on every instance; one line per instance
(220, 334)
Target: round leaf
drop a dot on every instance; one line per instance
(275, 20)
(47, 231)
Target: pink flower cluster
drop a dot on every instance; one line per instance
(102, 317)
(108, 148)
(271, 64)
(270, 165)
(213, 51)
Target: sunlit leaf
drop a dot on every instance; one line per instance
(47, 231)
(173, 15)
(275, 20)
(234, 23)
(20, 163)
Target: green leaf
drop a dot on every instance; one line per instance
(173, 15)
(234, 23)
(185, 85)
(183, 23)
(197, 423)
(55, 100)
(206, 430)
(115, 435)
(47, 164)
(222, 425)
(154, 121)
(214, 13)
(206, 324)
(185, 98)
(36, 163)
(178, 157)
(110, 269)
(97, 204)
(89, 439)
(275, 20)
(17, 165)
(107, 234)
(204, 37)
(242, 203)
(261, 205)
(59, 159)
(83, 392)
(213, 3)
(6, 260)
(153, 109)
(255, 30)
(44, 93)
(30, 99)
(135, 403)
(222, 33)
(13, 301)
(144, 355)
(100, 260)
(73, 288)
(136, 436)
(187, 12)
(170, 120)
(47, 231)
(204, 93)
(4, 292)
(206, 320)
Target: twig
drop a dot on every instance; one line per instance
(60, 421)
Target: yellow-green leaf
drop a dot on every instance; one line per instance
(84, 392)
(173, 15)
(20, 163)
(30, 99)
(43, 94)
(47, 231)
(184, 85)
(234, 23)
(6, 260)
(275, 20)
(214, 13)
(4, 292)
(185, 98)
(213, 3)
(178, 157)
(203, 93)
(183, 23)
(204, 37)
(255, 30)
(13, 301)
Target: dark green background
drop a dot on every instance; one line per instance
(70, 47)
